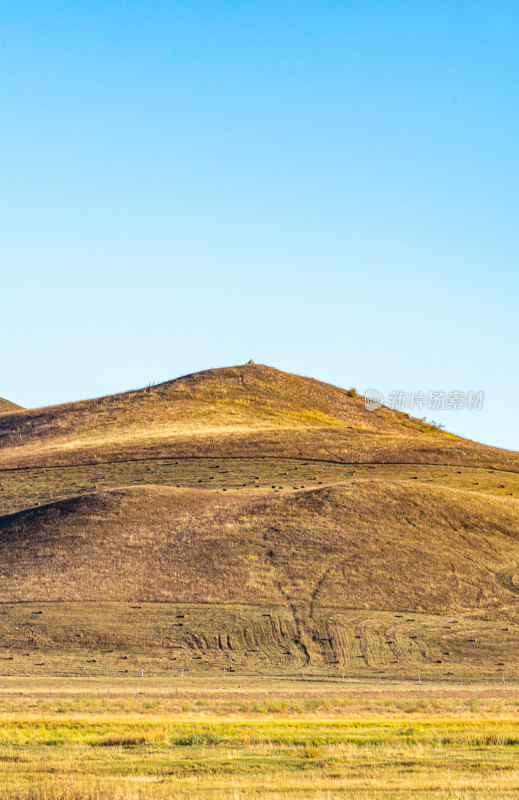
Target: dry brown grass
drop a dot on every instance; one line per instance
(120, 639)
(297, 527)
(372, 544)
(6, 407)
(279, 739)
(246, 411)
(25, 488)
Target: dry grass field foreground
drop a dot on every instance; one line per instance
(247, 737)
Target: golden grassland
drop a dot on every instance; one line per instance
(6, 407)
(88, 639)
(246, 411)
(243, 584)
(245, 737)
(26, 488)
(259, 560)
(343, 546)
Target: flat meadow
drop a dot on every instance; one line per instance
(241, 736)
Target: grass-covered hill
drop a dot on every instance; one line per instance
(374, 544)
(6, 407)
(251, 518)
(245, 411)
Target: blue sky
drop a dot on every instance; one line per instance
(327, 187)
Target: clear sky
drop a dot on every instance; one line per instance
(331, 188)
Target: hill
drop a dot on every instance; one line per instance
(245, 411)
(253, 519)
(432, 550)
(6, 407)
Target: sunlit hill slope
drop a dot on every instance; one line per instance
(261, 520)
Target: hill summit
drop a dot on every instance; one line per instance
(243, 411)
(6, 406)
